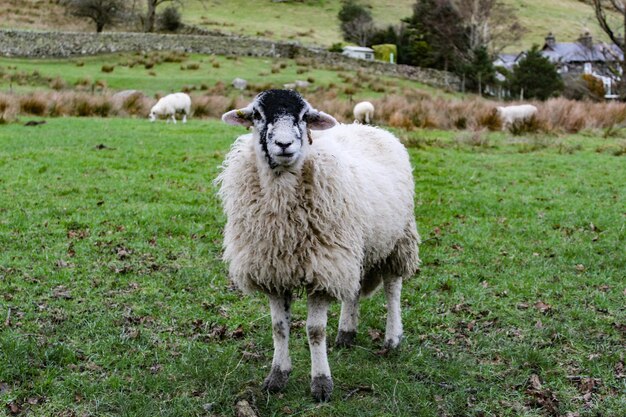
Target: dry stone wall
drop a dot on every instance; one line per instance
(18, 43)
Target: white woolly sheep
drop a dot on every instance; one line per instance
(363, 112)
(329, 213)
(512, 114)
(240, 83)
(170, 105)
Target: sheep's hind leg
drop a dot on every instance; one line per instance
(348, 322)
(174, 118)
(393, 332)
(280, 308)
(321, 381)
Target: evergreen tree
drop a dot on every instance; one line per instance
(536, 76)
(480, 72)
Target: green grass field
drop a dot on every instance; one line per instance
(167, 77)
(115, 303)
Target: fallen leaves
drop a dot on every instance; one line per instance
(61, 292)
(375, 334)
(541, 397)
(543, 307)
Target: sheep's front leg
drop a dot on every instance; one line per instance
(174, 118)
(393, 333)
(280, 308)
(348, 322)
(321, 381)
(184, 117)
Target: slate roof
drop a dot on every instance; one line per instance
(577, 52)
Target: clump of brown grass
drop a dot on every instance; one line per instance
(136, 104)
(175, 57)
(528, 125)
(58, 83)
(33, 104)
(210, 106)
(86, 105)
(193, 66)
(489, 120)
(107, 68)
(7, 109)
(475, 139)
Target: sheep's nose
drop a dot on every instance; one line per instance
(283, 145)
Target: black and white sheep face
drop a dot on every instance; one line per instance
(280, 119)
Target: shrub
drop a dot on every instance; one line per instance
(135, 104)
(33, 104)
(58, 83)
(195, 66)
(490, 120)
(529, 125)
(170, 19)
(107, 68)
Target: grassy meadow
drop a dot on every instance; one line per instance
(115, 301)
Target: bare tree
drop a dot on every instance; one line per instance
(150, 18)
(618, 53)
(101, 12)
(490, 24)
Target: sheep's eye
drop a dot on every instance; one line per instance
(256, 115)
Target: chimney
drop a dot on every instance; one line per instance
(586, 40)
(550, 40)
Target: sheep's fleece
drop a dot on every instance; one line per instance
(326, 226)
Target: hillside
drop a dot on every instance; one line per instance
(309, 21)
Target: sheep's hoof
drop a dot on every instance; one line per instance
(345, 338)
(276, 380)
(393, 343)
(321, 387)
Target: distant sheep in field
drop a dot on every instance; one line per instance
(170, 105)
(240, 83)
(512, 114)
(363, 112)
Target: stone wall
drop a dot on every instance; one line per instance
(17, 43)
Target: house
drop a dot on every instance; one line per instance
(582, 56)
(585, 57)
(360, 52)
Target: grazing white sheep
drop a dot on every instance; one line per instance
(363, 112)
(511, 114)
(329, 213)
(170, 105)
(240, 83)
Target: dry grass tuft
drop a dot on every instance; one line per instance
(107, 68)
(33, 104)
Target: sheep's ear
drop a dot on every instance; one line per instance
(239, 117)
(318, 120)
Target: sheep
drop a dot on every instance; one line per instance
(512, 114)
(240, 83)
(170, 105)
(328, 213)
(363, 112)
